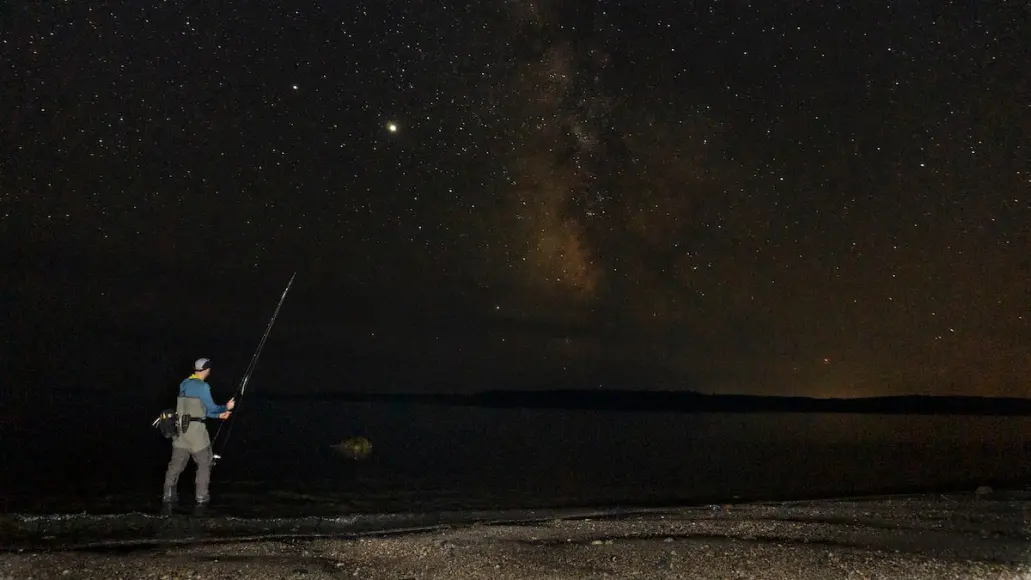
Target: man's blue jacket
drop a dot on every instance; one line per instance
(195, 387)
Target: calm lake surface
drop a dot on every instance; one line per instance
(96, 455)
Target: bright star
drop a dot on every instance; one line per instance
(392, 127)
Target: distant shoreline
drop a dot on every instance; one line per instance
(648, 401)
(688, 402)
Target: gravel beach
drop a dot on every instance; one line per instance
(913, 537)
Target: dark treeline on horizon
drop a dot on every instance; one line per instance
(683, 401)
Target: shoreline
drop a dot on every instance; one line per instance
(919, 536)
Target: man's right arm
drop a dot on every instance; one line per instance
(213, 410)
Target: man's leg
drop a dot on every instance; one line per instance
(176, 465)
(203, 460)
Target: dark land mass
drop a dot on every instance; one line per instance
(674, 401)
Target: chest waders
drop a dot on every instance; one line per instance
(193, 433)
(191, 440)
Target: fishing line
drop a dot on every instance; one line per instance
(247, 375)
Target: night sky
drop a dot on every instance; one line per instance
(734, 197)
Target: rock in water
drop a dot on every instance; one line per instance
(357, 448)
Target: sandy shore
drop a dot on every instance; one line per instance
(932, 537)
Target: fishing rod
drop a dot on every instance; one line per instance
(247, 375)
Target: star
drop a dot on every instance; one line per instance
(392, 127)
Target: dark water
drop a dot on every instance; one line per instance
(96, 456)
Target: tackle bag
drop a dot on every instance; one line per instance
(170, 424)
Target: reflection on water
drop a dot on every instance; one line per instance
(428, 457)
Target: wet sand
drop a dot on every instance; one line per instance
(913, 537)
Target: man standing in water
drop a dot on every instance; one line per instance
(194, 400)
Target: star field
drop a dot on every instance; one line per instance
(724, 196)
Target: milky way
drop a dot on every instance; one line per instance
(726, 196)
